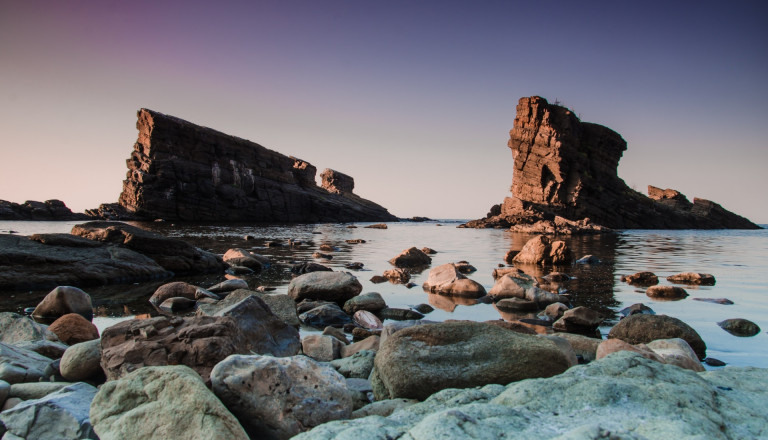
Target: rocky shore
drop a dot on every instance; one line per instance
(228, 360)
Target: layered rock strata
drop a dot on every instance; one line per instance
(568, 168)
(182, 171)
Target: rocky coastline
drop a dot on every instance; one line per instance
(228, 359)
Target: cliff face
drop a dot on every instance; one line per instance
(182, 171)
(568, 168)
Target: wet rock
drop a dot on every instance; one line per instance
(584, 346)
(198, 342)
(337, 333)
(410, 362)
(555, 310)
(82, 361)
(411, 258)
(328, 286)
(367, 320)
(666, 292)
(643, 279)
(636, 309)
(512, 285)
(177, 304)
(327, 248)
(228, 286)
(15, 328)
(239, 270)
(692, 278)
(557, 277)
(424, 308)
(739, 327)
(357, 365)
(447, 280)
(543, 297)
(377, 226)
(307, 267)
(359, 333)
(722, 301)
(371, 301)
(399, 314)
(509, 257)
(428, 251)
(18, 365)
(322, 348)
(543, 251)
(307, 305)
(513, 326)
(325, 315)
(397, 275)
(60, 415)
(378, 279)
(146, 404)
(578, 320)
(642, 329)
(242, 257)
(263, 331)
(354, 266)
(73, 328)
(283, 307)
(322, 256)
(176, 289)
(516, 305)
(464, 267)
(277, 398)
(712, 362)
(355, 241)
(172, 254)
(63, 300)
(501, 271)
(588, 259)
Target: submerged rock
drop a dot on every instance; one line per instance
(447, 280)
(739, 327)
(643, 279)
(692, 278)
(411, 257)
(666, 292)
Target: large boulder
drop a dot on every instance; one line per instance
(173, 254)
(263, 331)
(642, 329)
(512, 285)
(39, 262)
(18, 365)
(370, 301)
(328, 286)
(15, 328)
(544, 251)
(73, 328)
(277, 398)
(63, 414)
(168, 402)
(324, 316)
(198, 342)
(64, 300)
(447, 280)
(411, 257)
(621, 396)
(82, 361)
(419, 361)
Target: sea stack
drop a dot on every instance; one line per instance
(182, 171)
(567, 168)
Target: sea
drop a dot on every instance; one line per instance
(737, 258)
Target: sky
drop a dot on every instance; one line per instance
(414, 99)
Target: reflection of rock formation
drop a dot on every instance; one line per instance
(568, 168)
(182, 171)
(449, 303)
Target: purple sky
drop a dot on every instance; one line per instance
(414, 99)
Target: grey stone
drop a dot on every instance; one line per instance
(228, 286)
(5, 390)
(169, 402)
(371, 302)
(325, 315)
(322, 348)
(49, 349)
(329, 286)
(18, 365)
(15, 328)
(359, 365)
(36, 390)
(739, 327)
(642, 329)
(63, 300)
(82, 361)
(383, 408)
(61, 415)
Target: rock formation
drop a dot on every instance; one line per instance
(568, 168)
(31, 210)
(182, 171)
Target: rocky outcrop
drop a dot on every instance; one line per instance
(568, 168)
(31, 210)
(182, 171)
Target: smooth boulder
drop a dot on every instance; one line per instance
(82, 361)
(666, 292)
(18, 365)
(72, 328)
(64, 300)
(447, 280)
(371, 302)
(642, 329)
(15, 329)
(411, 257)
(328, 286)
(739, 327)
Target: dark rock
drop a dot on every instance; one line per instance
(172, 254)
(643, 279)
(411, 258)
(355, 241)
(18, 365)
(64, 300)
(723, 301)
(176, 289)
(354, 266)
(371, 301)
(337, 333)
(739, 327)
(328, 286)
(424, 308)
(322, 256)
(578, 320)
(568, 168)
(399, 314)
(177, 304)
(516, 305)
(642, 329)
(666, 292)
(464, 267)
(325, 315)
(377, 226)
(588, 259)
(635, 309)
(307, 305)
(50, 210)
(242, 257)
(182, 171)
(560, 226)
(378, 279)
(428, 251)
(692, 278)
(712, 362)
(307, 267)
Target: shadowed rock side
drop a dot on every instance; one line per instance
(32, 210)
(568, 168)
(182, 171)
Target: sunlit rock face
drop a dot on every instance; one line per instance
(568, 168)
(182, 171)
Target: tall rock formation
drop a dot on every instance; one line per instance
(568, 168)
(182, 171)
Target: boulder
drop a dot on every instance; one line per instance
(176, 289)
(516, 305)
(82, 361)
(49, 349)
(543, 251)
(676, 352)
(325, 315)
(739, 327)
(228, 286)
(5, 389)
(18, 365)
(198, 342)
(371, 302)
(368, 320)
(169, 402)
(15, 328)
(512, 285)
(64, 300)
(63, 414)
(642, 329)
(411, 257)
(555, 310)
(543, 297)
(322, 348)
(692, 278)
(277, 398)
(611, 346)
(578, 320)
(447, 280)
(399, 314)
(177, 304)
(283, 307)
(464, 267)
(643, 279)
(262, 330)
(583, 346)
(666, 292)
(307, 267)
(358, 365)
(328, 286)
(36, 390)
(337, 333)
(419, 361)
(636, 309)
(397, 275)
(172, 254)
(73, 328)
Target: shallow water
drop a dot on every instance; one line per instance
(738, 259)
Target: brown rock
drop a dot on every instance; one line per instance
(176, 289)
(447, 280)
(692, 278)
(644, 279)
(555, 310)
(543, 251)
(73, 329)
(516, 305)
(243, 258)
(642, 328)
(613, 345)
(397, 275)
(64, 300)
(666, 292)
(322, 348)
(369, 343)
(377, 226)
(411, 258)
(198, 342)
(578, 320)
(336, 182)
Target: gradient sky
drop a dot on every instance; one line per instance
(414, 99)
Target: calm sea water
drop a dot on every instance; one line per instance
(738, 259)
